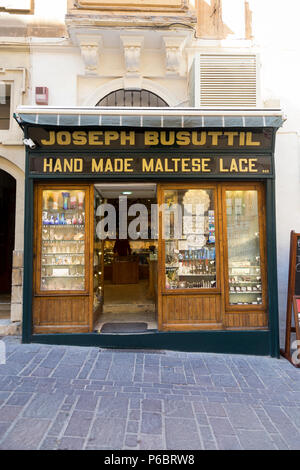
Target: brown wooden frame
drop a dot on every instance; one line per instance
(262, 230)
(230, 316)
(286, 352)
(197, 292)
(73, 296)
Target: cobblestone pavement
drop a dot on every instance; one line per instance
(62, 397)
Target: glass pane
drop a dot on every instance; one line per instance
(98, 259)
(189, 233)
(243, 248)
(63, 240)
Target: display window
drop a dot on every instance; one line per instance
(205, 270)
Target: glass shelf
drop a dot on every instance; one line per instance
(244, 267)
(190, 255)
(63, 240)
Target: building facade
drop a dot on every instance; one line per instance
(211, 56)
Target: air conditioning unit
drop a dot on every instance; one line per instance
(224, 81)
(41, 95)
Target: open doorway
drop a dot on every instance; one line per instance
(7, 237)
(125, 258)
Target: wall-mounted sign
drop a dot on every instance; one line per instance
(255, 140)
(147, 164)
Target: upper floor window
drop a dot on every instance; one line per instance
(134, 98)
(5, 97)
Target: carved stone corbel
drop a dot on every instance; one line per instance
(173, 51)
(132, 53)
(90, 53)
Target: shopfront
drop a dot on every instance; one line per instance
(151, 229)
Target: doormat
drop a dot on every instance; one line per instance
(129, 327)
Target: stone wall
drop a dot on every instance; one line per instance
(17, 287)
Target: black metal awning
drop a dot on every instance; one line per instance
(148, 117)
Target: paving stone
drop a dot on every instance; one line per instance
(44, 405)
(242, 416)
(66, 371)
(58, 424)
(151, 405)
(255, 440)
(221, 426)
(151, 442)
(3, 428)
(203, 380)
(201, 419)
(49, 443)
(9, 413)
(26, 434)
(88, 403)
(134, 415)
(206, 434)
(131, 440)
(4, 396)
(181, 434)
(113, 407)
(228, 443)
(215, 409)
(19, 399)
(151, 423)
(222, 380)
(108, 432)
(79, 424)
(178, 409)
(70, 443)
(284, 425)
(132, 426)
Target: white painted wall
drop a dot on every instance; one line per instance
(277, 34)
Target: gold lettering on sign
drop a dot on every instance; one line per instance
(110, 136)
(97, 167)
(79, 138)
(48, 165)
(94, 138)
(195, 140)
(147, 166)
(249, 140)
(78, 165)
(230, 137)
(214, 137)
(151, 138)
(130, 138)
(63, 138)
(51, 140)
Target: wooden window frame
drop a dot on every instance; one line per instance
(38, 292)
(259, 187)
(161, 242)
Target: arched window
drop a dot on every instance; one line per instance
(134, 98)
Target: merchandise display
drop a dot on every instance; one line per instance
(190, 261)
(244, 267)
(63, 241)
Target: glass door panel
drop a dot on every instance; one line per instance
(98, 264)
(63, 240)
(243, 240)
(190, 239)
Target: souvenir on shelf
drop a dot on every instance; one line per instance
(63, 240)
(244, 264)
(190, 253)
